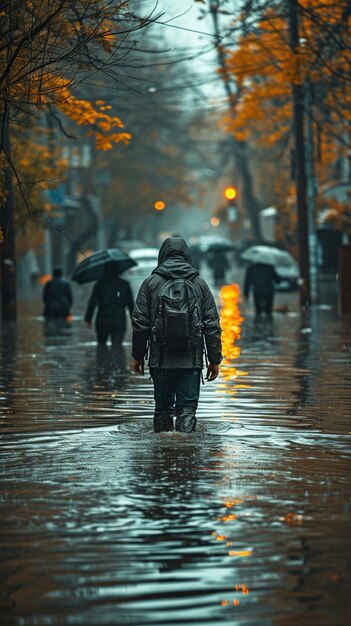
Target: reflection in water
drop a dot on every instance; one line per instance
(179, 474)
(263, 329)
(244, 521)
(111, 371)
(261, 333)
(305, 375)
(8, 360)
(231, 321)
(105, 375)
(57, 329)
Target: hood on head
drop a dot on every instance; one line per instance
(174, 247)
(174, 259)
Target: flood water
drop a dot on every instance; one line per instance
(245, 521)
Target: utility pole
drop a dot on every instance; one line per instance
(311, 193)
(298, 119)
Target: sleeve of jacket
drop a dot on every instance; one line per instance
(141, 321)
(93, 300)
(211, 327)
(130, 300)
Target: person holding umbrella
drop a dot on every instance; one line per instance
(261, 276)
(111, 295)
(216, 251)
(218, 262)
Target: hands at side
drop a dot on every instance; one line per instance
(212, 370)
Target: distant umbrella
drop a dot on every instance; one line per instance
(268, 255)
(93, 267)
(222, 246)
(209, 243)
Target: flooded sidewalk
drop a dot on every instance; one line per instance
(245, 521)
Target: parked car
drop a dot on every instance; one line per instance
(146, 259)
(289, 273)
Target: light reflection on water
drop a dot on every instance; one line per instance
(244, 521)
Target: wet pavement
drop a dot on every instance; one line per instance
(245, 521)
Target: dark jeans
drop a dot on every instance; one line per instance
(263, 302)
(176, 391)
(104, 332)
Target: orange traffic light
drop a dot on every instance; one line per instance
(230, 193)
(159, 205)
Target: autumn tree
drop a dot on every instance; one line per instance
(241, 156)
(165, 159)
(48, 50)
(265, 68)
(283, 58)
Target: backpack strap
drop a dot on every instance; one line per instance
(198, 289)
(161, 282)
(199, 293)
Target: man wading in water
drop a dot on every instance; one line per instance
(174, 315)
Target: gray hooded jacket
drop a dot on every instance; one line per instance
(174, 261)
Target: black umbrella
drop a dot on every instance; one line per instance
(92, 268)
(222, 245)
(209, 243)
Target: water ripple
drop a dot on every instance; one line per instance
(246, 521)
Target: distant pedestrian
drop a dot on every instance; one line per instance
(57, 297)
(261, 278)
(196, 256)
(218, 262)
(174, 314)
(111, 296)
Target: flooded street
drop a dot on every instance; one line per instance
(245, 521)
(205, 146)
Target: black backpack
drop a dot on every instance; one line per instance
(177, 325)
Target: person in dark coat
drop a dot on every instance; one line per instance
(57, 297)
(111, 296)
(217, 260)
(261, 278)
(196, 256)
(176, 375)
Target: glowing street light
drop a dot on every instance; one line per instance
(230, 193)
(232, 211)
(159, 205)
(215, 221)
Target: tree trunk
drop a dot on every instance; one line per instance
(88, 232)
(112, 233)
(242, 168)
(92, 225)
(302, 209)
(249, 200)
(7, 248)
